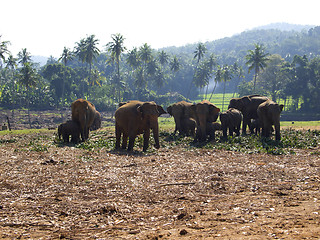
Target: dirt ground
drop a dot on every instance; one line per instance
(63, 192)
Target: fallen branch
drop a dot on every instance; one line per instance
(178, 183)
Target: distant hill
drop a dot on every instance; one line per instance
(285, 27)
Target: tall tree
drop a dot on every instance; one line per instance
(116, 48)
(199, 52)
(238, 72)
(91, 52)
(28, 77)
(24, 56)
(87, 52)
(66, 56)
(227, 73)
(3, 49)
(163, 58)
(257, 60)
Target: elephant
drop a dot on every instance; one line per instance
(255, 126)
(204, 112)
(180, 110)
(96, 122)
(269, 114)
(189, 126)
(248, 106)
(83, 112)
(69, 128)
(212, 127)
(231, 119)
(134, 118)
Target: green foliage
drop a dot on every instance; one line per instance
(146, 73)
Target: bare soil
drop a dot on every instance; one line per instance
(63, 192)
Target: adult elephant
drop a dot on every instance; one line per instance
(134, 118)
(269, 114)
(230, 119)
(180, 112)
(204, 112)
(248, 106)
(83, 112)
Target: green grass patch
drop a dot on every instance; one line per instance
(25, 131)
(299, 123)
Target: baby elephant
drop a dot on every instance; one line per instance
(212, 127)
(188, 126)
(69, 128)
(231, 119)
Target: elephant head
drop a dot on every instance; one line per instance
(84, 113)
(205, 112)
(149, 115)
(180, 111)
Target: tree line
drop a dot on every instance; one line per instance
(113, 74)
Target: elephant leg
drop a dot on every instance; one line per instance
(146, 136)
(124, 141)
(277, 129)
(65, 137)
(231, 131)
(131, 142)
(224, 130)
(132, 137)
(244, 125)
(118, 136)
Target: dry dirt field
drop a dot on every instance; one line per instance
(55, 191)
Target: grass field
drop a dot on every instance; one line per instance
(217, 99)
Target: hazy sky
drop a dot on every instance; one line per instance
(44, 27)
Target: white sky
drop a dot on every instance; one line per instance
(44, 27)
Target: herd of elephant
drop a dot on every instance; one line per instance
(198, 120)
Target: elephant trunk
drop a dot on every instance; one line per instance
(203, 127)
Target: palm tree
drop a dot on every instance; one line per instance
(91, 51)
(145, 53)
(11, 62)
(24, 56)
(66, 56)
(211, 63)
(199, 52)
(218, 78)
(3, 50)
(116, 48)
(226, 76)
(79, 50)
(163, 58)
(238, 71)
(175, 64)
(87, 51)
(257, 60)
(28, 77)
(133, 58)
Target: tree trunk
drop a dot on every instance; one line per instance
(214, 88)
